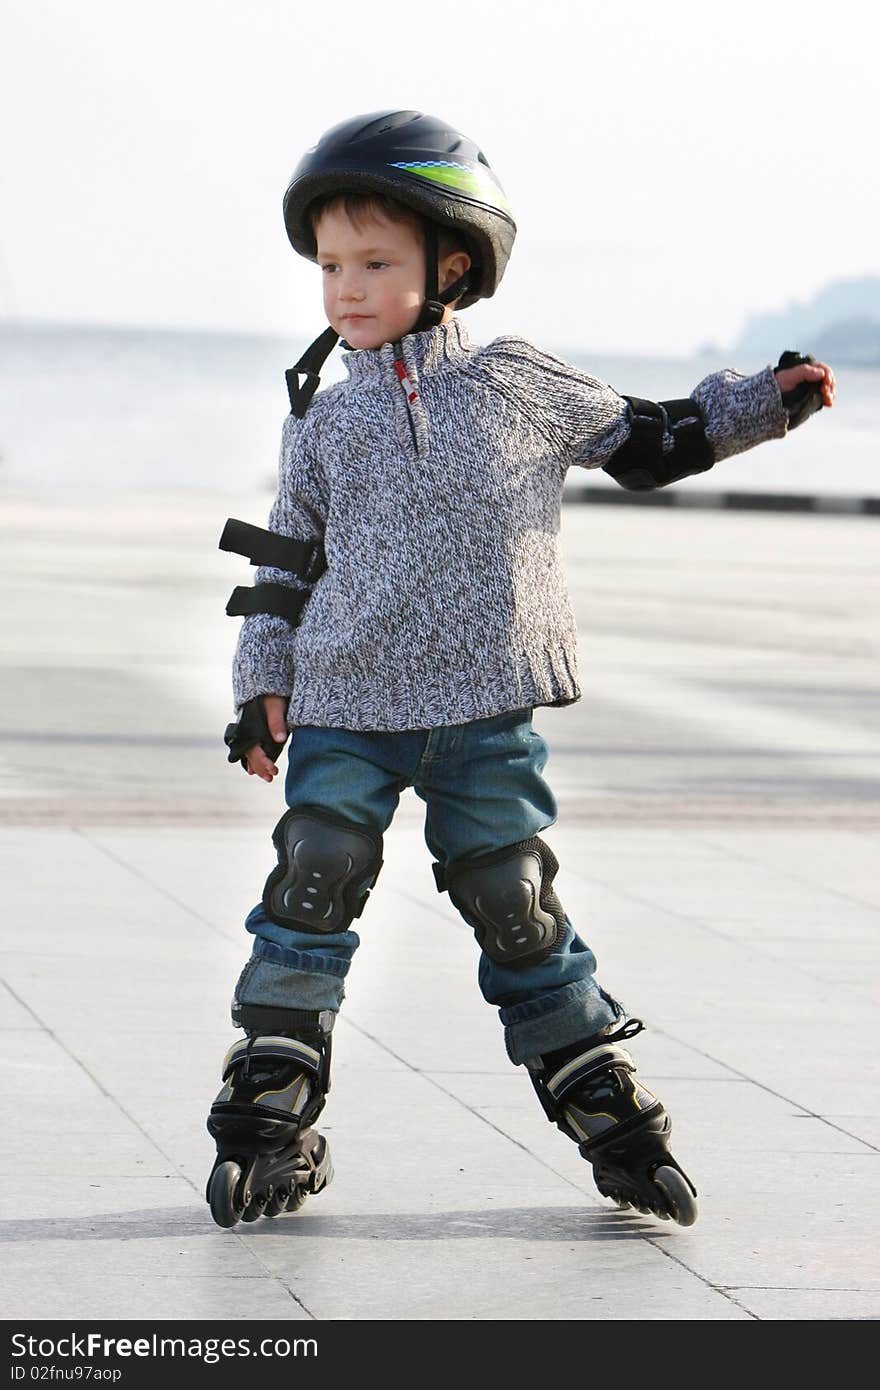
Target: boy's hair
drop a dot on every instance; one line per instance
(359, 208)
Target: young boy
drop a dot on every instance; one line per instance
(409, 613)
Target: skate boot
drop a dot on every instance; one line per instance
(588, 1089)
(275, 1082)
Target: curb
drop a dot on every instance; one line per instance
(732, 501)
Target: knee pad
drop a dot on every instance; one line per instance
(508, 897)
(326, 868)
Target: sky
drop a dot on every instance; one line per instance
(673, 167)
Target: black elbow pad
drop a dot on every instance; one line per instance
(641, 465)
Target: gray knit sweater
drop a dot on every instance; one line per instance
(444, 598)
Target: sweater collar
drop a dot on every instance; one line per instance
(436, 348)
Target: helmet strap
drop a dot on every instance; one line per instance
(435, 303)
(309, 366)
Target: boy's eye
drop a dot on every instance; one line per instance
(329, 265)
(373, 265)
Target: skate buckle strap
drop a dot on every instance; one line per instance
(587, 1065)
(282, 1049)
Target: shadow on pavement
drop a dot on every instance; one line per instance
(506, 1223)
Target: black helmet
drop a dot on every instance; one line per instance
(419, 161)
(430, 167)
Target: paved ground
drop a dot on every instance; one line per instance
(718, 789)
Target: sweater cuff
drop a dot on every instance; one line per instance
(741, 411)
(264, 659)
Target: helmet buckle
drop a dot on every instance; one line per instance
(432, 313)
(301, 395)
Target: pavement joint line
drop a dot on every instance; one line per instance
(806, 1111)
(98, 1084)
(702, 925)
(428, 1076)
(720, 1289)
(274, 1275)
(184, 1177)
(144, 878)
(593, 1205)
(802, 1288)
(785, 873)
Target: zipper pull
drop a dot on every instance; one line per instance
(408, 389)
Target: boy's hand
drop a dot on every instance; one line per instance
(259, 736)
(256, 760)
(814, 373)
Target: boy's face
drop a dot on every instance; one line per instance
(374, 277)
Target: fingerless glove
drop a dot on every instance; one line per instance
(252, 727)
(804, 399)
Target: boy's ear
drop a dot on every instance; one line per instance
(452, 267)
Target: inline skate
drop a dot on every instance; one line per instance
(588, 1089)
(275, 1082)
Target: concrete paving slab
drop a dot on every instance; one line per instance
(106, 1148)
(471, 1039)
(838, 861)
(90, 1250)
(827, 1241)
(807, 1305)
(117, 1205)
(88, 888)
(218, 886)
(124, 991)
(448, 1275)
(145, 1299)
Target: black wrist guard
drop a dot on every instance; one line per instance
(805, 398)
(252, 727)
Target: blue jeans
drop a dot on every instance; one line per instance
(482, 786)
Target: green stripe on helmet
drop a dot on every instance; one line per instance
(461, 177)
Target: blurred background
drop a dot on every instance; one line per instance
(689, 195)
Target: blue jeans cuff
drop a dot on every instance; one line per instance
(319, 962)
(561, 1017)
(266, 981)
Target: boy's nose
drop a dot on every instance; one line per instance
(351, 290)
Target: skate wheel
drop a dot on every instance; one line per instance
(277, 1203)
(222, 1189)
(297, 1197)
(254, 1209)
(679, 1197)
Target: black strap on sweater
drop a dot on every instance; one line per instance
(276, 599)
(309, 366)
(305, 559)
